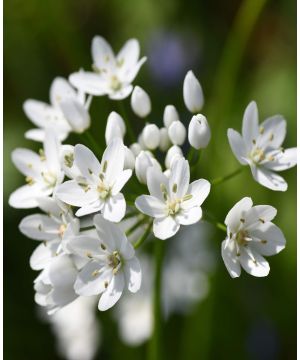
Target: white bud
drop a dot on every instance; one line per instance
(115, 127)
(192, 93)
(177, 132)
(135, 148)
(129, 162)
(151, 136)
(170, 115)
(76, 114)
(140, 102)
(142, 163)
(164, 140)
(199, 132)
(174, 150)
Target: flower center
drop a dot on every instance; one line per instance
(115, 83)
(61, 230)
(173, 206)
(242, 237)
(257, 155)
(104, 190)
(115, 261)
(49, 178)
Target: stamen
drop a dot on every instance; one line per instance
(174, 188)
(261, 130)
(69, 160)
(187, 197)
(104, 168)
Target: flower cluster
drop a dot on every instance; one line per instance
(86, 248)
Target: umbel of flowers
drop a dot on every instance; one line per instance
(82, 194)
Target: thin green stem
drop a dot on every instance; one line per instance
(211, 219)
(92, 142)
(222, 179)
(128, 125)
(196, 164)
(191, 154)
(142, 239)
(136, 225)
(155, 349)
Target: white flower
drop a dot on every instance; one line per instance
(53, 229)
(43, 172)
(54, 287)
(78, 337)
(112, 266)
(164, 140)
(150, 136)
(67, 111)
(135, 148)
(140, 102)
(129, 162)
(98, 188)
(67, 161)
(174, 152)
(112, 74)
(192, 93)
(260, 147)
(250, 236)
(173, 201)
(143, 162)
(177, 132)
(170, 115)
(115, 127)
(199, 132)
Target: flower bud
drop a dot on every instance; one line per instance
(151, 136)
(174, 150)
(135, 148)
(115, 127)
(129, 159)
(192, 93)
(164, 140)
(76, 114)
(142, 163)
(140, 102)
(170, 115)
(177, 132)
(199, 132)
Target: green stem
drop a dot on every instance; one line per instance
(155, 350)
(141, 240)
(92, 142)
(195, 166)
(222, 179)
(211, 219)
(136, 226)
(125, 118)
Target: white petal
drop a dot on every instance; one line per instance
(114, 208)
(86, 246)
(39, 227)
(268, 239)
(113, 157)
(25, 197)
(259, 214)
(283, 161)
(38, 112)
(253, 263)
(121, 181)
(151, 206)
(109, 233)
(91, 280)
(133, 274)
(61, 90)
(165, 228)
(40, 257)
(102, 53)
(27, 162)
(90, 208)
(274, 131)
(52, 148)
(89, 83)
(132, 73)
(121, 94)
(72, 193)
(52, 206)
(237, 145)
(268, 179)
(179, 178)
(113, 293)
(76, 115)
(237, 213)
(230, 259)
(199, 189)
(128, 55)
(155, 178)
(62, 272)
(250, 128)
(189, 216)
(86, 162)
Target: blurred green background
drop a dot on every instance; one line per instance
(246, 318)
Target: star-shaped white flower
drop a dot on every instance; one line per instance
(54, 287)
(173, 201)
(250, 236)
(43, 172)
(67, 111)
(260, 147)
(112, 74)
(52, 228)
(112, 266)
(98, 188)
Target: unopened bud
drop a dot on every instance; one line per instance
(192, 93)
(199, 132)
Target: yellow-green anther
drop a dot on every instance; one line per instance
(104, 168)
(174, 188)
(69, 160)
(187, 197)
